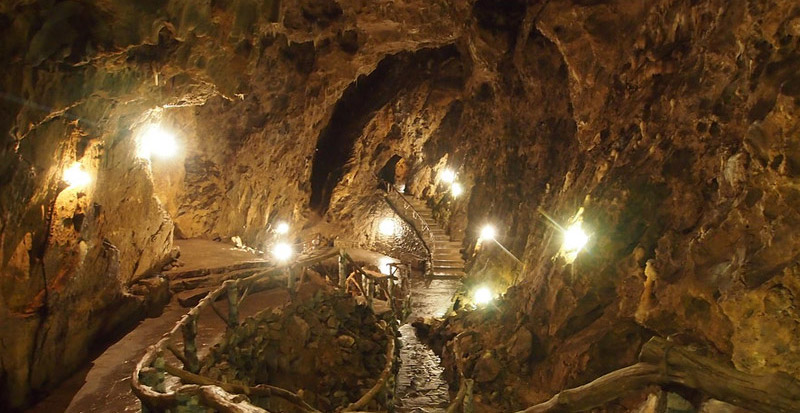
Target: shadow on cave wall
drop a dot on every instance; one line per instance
(359, 103)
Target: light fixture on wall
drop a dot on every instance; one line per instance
(155, 141)
(387, 227)
(282, 228)
(282, 251)
(488, 232)
(447, 176)
(76, 177)
(575, 238)
(482, 296)
(456, 189)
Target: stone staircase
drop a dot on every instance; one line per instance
(445, 253)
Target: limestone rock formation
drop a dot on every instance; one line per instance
(672, 124)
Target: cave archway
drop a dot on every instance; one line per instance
(358, 104)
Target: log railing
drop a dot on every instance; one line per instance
(407, 211)
(223, 396)
(660, 363)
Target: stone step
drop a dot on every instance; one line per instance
(452, 251)
(445, 257)
(449, 274)
(448, 261)
(440, 267)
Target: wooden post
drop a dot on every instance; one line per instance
(370, 287)
(290, 280)
(342, 270)
(233, 304)
(390, 284)
(189, 329)
(468, 406)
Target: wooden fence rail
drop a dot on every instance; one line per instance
(218, 394)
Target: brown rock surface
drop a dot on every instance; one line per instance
(673, 124)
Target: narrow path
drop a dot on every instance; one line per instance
(421, 387)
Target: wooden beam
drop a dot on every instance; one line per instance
(664, 363)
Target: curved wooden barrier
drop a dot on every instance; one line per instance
(227, 397)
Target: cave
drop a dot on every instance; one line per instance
(400, 206)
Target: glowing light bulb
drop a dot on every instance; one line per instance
(282, 251)
(75, 176)
(383, 265)
(574, 238)
(456, 189)
(488, 232)
(387, 227)
(482, 296)
(156, 141)
(447, 176)
(282, 228)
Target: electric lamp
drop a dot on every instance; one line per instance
(387, 227)
(75, 176)
(488, 232)
(447, 176)
(156, 141)
(482, 296)
(282, 228)
(574, 239)
(456, 189)
(282, 251)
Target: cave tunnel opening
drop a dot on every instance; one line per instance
(358, 104)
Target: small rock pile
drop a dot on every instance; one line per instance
(327, 349)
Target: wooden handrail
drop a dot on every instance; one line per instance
(425, 228)
(661, 362)
(211, 390)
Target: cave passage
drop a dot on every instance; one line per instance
(400, 206)
(357, 106)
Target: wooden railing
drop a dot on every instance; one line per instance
(407, 211)
(661, 363)
(223, 396)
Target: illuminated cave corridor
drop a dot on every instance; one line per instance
(400, 206)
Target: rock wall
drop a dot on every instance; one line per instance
(671, 126)
(671, 123)
(246, 85)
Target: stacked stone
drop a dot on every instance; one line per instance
(328, 349)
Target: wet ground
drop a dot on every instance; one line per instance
(421, 387)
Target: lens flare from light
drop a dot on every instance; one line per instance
(482, 296)
(387, 227)
(76, 177)
(456, 189)
(282, 251)
(447, 176)
(383, 265)
(282, 228)
(488, 232)
(575, 238)
(156, 141)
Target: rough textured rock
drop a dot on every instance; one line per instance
(326, 348)
(671, 123)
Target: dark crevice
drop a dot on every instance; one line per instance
(359, 103)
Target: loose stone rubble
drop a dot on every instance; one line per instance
(327, 349)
